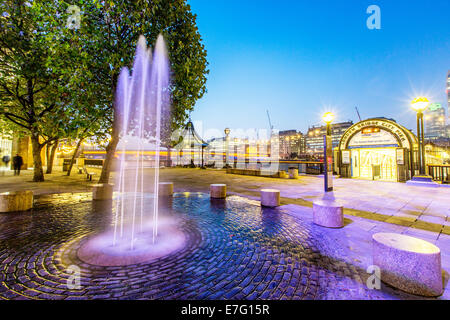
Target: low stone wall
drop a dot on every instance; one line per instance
(252, 172)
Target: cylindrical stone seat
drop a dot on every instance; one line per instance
(165, 189)
(283, 175)
(16, 201)
(218, 191)
(293, 173)
(270, 197)
(409, 264)
(102, 191)
(328, 213)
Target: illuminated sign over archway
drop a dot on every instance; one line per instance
(377, 132)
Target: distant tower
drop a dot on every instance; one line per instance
(448, 95)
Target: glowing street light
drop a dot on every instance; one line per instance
(419, 104)
(328, 117)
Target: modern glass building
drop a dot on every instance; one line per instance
(435, 127)
(448, 96)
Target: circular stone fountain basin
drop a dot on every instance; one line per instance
(99, 249)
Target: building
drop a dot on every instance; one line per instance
(435, 127)
(377, 149)
(314, 137)
(448, 96)
(291, 144)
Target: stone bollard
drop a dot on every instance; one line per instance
(283, 175)
(407, 263)
(328, 213)
(16, 201)
(165, 189)
(102, 191)
(293, 173)
(218, 191)
(270, 197)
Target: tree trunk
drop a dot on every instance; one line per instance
(47, 154)
(169, 158)
(38, 175)
(52, 156)
(74, 156)
(110, 150)
(112, 145)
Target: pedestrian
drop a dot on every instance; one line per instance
(17, 163)
(6, 159)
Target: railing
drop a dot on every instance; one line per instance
(440, 172)
(93, 162)
(307, 167)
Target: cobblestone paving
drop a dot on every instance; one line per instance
(235, 250)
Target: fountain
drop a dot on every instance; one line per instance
(143, 106)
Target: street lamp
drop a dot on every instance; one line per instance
(419, 105)
(328, 153)
(227, 133)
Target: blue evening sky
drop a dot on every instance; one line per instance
(300, 58)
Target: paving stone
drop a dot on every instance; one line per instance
(276, 256)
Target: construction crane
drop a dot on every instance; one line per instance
(358, 113)
(270, 122)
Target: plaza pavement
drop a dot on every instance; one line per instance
(369, 206)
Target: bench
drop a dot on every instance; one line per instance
(165, 189)
(16, 201)
(88, 174)
(410, 264)
(328, 213)
(218, 191)
(270, 198)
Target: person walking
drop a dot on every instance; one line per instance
(6, 159)
(17, 163)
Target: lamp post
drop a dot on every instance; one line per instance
(204, 145)
(419, 105)
(328, 153)
(227, 138)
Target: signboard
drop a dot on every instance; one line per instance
(366, 138)
(345, 157)
(434, 106)
(400, 155)
(401, 135)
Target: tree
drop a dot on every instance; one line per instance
(113, 28)
(24, 78)
(42, 86)
(35, 60)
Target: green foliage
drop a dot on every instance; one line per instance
(58, 82)
(116, 27)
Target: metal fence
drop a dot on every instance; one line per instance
(440, 172)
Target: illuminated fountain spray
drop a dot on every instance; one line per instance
(142, 102)
(138, 234)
